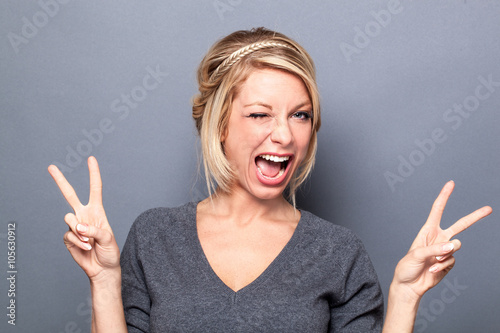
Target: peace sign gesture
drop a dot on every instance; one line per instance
(427, 262)
(90, 239)
(430, 256)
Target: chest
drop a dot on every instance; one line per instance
(239, 256)
(192, 298)
(293, 293)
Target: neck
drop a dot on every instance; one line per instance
(242, 207)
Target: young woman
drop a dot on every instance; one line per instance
(246, 259)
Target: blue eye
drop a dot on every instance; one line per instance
(303, 115)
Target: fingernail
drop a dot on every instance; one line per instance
(439, 257)
(85, 239)
(448, 247)
(81, 228)
(433, 269)
(87, 246)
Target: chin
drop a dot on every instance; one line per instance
(268, 193)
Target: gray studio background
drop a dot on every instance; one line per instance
(406, 107)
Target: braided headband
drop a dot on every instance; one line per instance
(239, 54)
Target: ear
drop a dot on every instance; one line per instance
(223, 137)
(225, 123)
(225, 132)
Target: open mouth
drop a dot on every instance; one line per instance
(272, 166)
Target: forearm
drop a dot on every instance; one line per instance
(402, 309)
(107, 306)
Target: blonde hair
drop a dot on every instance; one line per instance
(221, 73)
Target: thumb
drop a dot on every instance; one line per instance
(436, 250)
(101, 236)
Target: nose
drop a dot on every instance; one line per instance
(281, 133)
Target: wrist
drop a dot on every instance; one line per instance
(107, 306)
(107, 279)
(403, 295)
(402, 307)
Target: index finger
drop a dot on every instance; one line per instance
(95, 195)
(65, 187)
(466, 221)
(439, 204)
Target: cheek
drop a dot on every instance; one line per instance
(242, 141)
(302, 138)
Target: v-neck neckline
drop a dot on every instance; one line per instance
(268, 271)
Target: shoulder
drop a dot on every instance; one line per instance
(326, 231)
(339, 253)
(155, 220)
(329, 242)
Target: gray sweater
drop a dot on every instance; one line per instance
(322, 281)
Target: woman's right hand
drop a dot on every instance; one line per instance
(90, 239)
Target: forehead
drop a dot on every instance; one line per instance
(272, 85)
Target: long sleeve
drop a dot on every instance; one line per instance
(136, 299)
(362, 307)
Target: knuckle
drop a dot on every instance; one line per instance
(68, 217)
(108, 237)
(105, 236)
(68, 235)
(452, 260)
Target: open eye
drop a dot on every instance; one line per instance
(302, 115)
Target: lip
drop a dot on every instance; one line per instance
(275, 181)
(275, 154)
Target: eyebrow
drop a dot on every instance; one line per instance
(270, 107)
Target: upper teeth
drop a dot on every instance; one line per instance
(275, 158)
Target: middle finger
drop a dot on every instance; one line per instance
(466, 221)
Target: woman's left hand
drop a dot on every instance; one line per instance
(430, 256)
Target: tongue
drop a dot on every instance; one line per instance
(268, 168)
